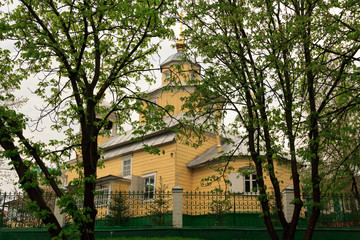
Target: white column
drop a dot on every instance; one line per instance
(288, 197)
(177, 192)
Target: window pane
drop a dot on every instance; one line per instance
(151, 191)
(254, 186)
(102, 196)
(247, 186)
(126, 168)
(149, 187)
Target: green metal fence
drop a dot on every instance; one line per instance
(15, 211)
(244, 210)
(200, 209)
(222, 209)
(134, 209)
(337, 210)
(114, 209)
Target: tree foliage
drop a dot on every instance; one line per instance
(78, 51)
(288, 70)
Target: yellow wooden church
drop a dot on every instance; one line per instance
(127, 166)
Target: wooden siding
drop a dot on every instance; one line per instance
(142, 163)
(186, 154)
(173, 99)
(121, 186)
(169, 98)
(175, 75)
(283, 174)
(71, 174)
(111, 167)
(163, 165)
(102, 139)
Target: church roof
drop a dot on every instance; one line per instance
(237, 149)
(228, 149)
(109, 178)
(178, 57)
(125, 144)
(129, 146)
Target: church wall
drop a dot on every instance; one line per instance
(163, 165)
(172, 98)
(102, 139)
(283, 174)
(71, 174)
(185, 74)
(111, 167)
(186, 154)
(121, 187)
(142, 163)
(283, 170)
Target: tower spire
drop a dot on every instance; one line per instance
(180, 44)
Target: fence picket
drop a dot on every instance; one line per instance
(199, 209)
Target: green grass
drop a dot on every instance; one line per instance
(155, 238)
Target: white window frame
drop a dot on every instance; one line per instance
(238, 183)
(102, 199)
(251, 179)
(149, 175)
(123, 159)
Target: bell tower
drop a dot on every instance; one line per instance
(177, 70)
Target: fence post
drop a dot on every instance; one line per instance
(177, 192)
(60, 217)
(234, 210)
(2, 210)
(288, 197)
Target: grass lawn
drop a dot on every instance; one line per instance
(140, 238)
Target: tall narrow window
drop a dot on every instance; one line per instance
(150, 181)
(250, 183)
(102, 197)
(126, 166)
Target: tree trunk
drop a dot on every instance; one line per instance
(313, 142)
(90, 155)
(34, 192)
(259, 172)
